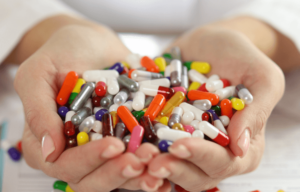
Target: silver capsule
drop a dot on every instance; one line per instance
(175, 76)
(80, 115)
(157, 126)
(87, 124)
(131, 85)
(148, 100)
(126, 140)
(120, 130)
(176, 53)
(184, 78)
(107, 101)
(121, 97)
(204, 104)
(244, 94)
(83, 96)
(175, 116)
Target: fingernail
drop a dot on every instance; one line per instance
(112, 151)
(146, 159)
(147, 188)
(47, 146)
(129, 172)
(161, 173)
(244, 142)
(180, 151)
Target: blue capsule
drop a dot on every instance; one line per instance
(164, 145)
(62, 111)
(214, 114)
(100, 113)
(14, 154)
(118, 67)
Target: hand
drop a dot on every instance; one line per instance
(196, 164)
(98, 165)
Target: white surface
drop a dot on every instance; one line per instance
(279, 169)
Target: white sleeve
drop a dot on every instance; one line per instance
(18, 16)
(283, 15)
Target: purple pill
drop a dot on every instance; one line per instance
(14, 154)
(82, 86)
(100, 113)
(214, 114)
(62, 111)
(164, 145)
(118, 67)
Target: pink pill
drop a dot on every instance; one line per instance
(182, 89)
(189, 128)
(136, 138)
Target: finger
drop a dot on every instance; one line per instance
(112, 174)
(85, 158)
(181, 172)
(146, 152)
(37, 90)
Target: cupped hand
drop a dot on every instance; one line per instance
(196, 164)
(98, 165)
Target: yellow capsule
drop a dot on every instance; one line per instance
(78, 85)
(161, 63)
(194, 86)
(115, 118)
(201, 67)
(237, 104)
(82, 138)
(164, 120)
(126, 64)
(178, 126)
(68, 189)
(175, 100)
(280, 190)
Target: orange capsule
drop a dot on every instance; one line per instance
(155, 107)
(67, 88)
(226, 108)
(149, 64)
(128, 119)
(199, 95)
(115, 118)
(129, 73)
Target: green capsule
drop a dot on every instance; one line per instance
(188, 64)
(217, 109)
(138, 115)
(72, 97)
(60, 185)
(167, 55)
(106, 68)
(162, 72)
(230, 98)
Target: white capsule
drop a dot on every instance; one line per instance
(188, 107)
(69, 116)
(214, 85)
(244, 94)
(168, 71)
(150, 90)
(112, 86)
(95, 136)
(187, 118)
(113, 107)
(103, 79)
(196, 76)
(171, 134)
(138, 102)
(225, 120)
(164, 82)
(138, 75)
(97, 75)
(97, 127)
(89, 104)
(158, 126)
(87, 124)
(121, 97)
(97, 109)
(198, 133)
(128, 104)
(213, 77)
(195, 124)
(225, 92)
(218, 124)
(5, 145)
(133, 60)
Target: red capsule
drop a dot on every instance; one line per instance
(226, 83)
(198, 95)
(69, 129)
(125, 70)
(203, 88)
(19, 146)
(214, 190)
(96, 101)
(107, 125)
(101, 88)
(71, 142)
(149, 134)
(180, 189)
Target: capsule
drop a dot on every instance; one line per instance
(202, 88)
(164, 120)
(133, 60)
(204, 104)
(237, 104)
(195, 123)
(82, 138)
(226, 108)
(194, 86)
(128, 119)
(197, 112)
(97, 127)
(138, 75)
(176, 53)
(188, 128)
(199, 95)
(176, 70)
(107, 101)
(62, 186)
(95, 136)
(121, 97)
(168, 71)
(217, 122)
(198, 133)
(120, 130)
(112, 86)
(213, 78)
(225, 120)
(171, 134)
(244, 94)
(115, 118)
(97, 75)
(153, 90)
(87, 124)
(163, 145)
(214, 133)
(96, 101)
(148, 101)
(161, 63)
(178, 126)
(150, 134)
(72, 97)
(113, 107)
(62, 111)
(138, 101)
(217, 109)
(89, 104)
(175, 100)
(201, 67)
(149, 64)
(100, 113)
(164, 82)
(126, 140)
(13, 153)
(67, 88)
(128, 104)
(107, 125)
(96, 109)
(225, 92)
(155, 107)
(188, 117)
(215, 85)
(131, 85)
(158, 125)
(101, 88)
(138, 114)
(184, 78)
(83, 96)
(195, 76)
(71, 142)
(135, 139)
(175, 116)
(119, 67)
(80, 115)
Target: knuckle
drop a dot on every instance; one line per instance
(260, 120)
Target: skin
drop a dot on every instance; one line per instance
(62, 43)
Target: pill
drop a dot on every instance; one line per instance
(101, 88)
(126, 140)
(119, 67)
(201, 67)
(13, 153)
(188, 107)
(78, 85)
(237, 104)
(168, 71)
(95, 136)
(98, 75)
(175, 53)
(155, 107)
(178, 126)
(226, 108)
(184, 77)
(150, 134)
(138, 75)
(177, 89)
(107, 101)
(62, 111)
(225, 92)
(107, 125)
(100, 113)
(175, 116)
(97, 127)
(138, 102)
(194, 86)
(214, 133)
(112, 86)
(202, 88)
(69, 129)
(80, 115)
(217, 122)
(89, 104)
(96, 101)
(196, 76)
(115, 118)
(152, 90)
(199, 95)
(135, 139)
(161, 63)
(164, 120)
(163, 145)
(87, 124)
(187, 117)
(148, 100)
(244, 94)
(83, 96)
(195, 123)
(138, 114)
(225, 120)
(113, 107)
(215, 85)
(120, 130)
(164, 82)
(149, 64)
(174, 101)
(128, 119)
(198, 133)
(171, 134)
(121, 97)
(130, 84)
(67, 88)
(133, 60)
(175, 72)
(72, 97)
(213, 77)
(204, 104)
(82, 138)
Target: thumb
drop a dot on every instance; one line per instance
(37, 90)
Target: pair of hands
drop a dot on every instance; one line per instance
(193, 163)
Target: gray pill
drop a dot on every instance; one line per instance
(184, 78)
(107, 101)
(130, 84)
(126, 140)
(83, 96)
(120, 130)
(87, 124)
(80, 115)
